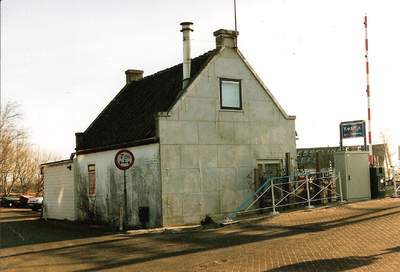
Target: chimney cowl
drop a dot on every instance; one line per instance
(224, 37)
(133, 75)
(186, 26)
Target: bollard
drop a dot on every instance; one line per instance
(44, 212)
(121, 221)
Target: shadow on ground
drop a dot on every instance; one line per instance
(21, 227)
(129, 249)
(333, 265)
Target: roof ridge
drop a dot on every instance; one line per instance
(177, 65)
(139, 101)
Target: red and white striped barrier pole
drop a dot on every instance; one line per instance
(368, 95)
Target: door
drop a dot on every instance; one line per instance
(358, 176)
(265, 170)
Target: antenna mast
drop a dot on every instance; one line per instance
(368, 95)
(234, 6)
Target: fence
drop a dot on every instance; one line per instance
(297, 190)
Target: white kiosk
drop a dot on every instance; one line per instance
(354, 173)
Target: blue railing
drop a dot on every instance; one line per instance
(302, 178)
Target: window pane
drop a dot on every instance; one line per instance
(230, 94)
(92, 183)
(92, 179)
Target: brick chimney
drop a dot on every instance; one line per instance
(78, 140)
(133, 75)
(224, 37)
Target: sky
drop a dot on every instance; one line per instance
(64, 61)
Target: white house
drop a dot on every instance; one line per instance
(196, 130)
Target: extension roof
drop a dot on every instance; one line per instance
(130, 118)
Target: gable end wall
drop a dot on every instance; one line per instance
(206, 153)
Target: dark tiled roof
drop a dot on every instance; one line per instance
(130, 116)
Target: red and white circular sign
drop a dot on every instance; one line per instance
(124, 159)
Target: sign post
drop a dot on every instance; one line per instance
(352, 129)
(124, 160)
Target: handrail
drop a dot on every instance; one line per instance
(283, 177)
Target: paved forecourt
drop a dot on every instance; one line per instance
(355, 236)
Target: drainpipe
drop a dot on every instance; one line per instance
(186, 52)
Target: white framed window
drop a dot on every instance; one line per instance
(231, 94)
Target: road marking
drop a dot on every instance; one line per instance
(16, 232)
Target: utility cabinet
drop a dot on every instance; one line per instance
(377, 176)
(354, 173)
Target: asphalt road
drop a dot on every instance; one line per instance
(28, 242)
(23, 227)
(356, 236)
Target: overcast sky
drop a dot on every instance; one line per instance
(64, 61)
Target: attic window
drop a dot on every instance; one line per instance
(231, 94)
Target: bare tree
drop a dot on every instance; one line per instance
(87, 205)
(27, 167)
(386, 140)
(19, 159)
(11, 135)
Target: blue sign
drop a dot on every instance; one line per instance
(353, 129)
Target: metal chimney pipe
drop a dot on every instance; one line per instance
(186, 52)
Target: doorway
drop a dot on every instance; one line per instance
(265, 170)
